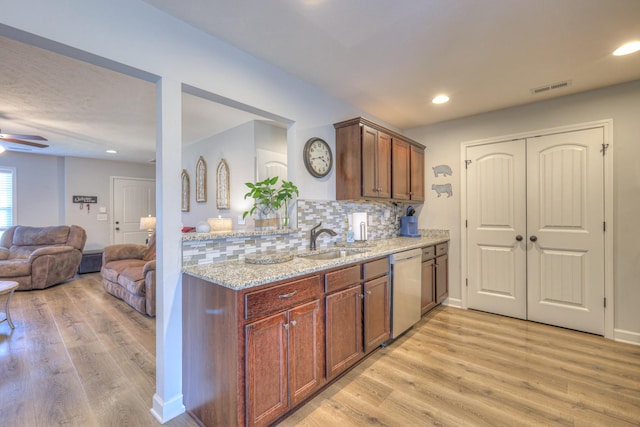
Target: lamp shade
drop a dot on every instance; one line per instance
(148, 223)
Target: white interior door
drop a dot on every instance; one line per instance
(535, 238)
(132, 199)
(496, 217)
(566, 238)
(270, 164)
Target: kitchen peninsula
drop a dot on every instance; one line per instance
(261, 339)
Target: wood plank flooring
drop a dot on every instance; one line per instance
(468, 368)
(79, 357)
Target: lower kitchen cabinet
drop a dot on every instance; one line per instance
(284, 361)
(442, 278)
(252, 355)
(344, 329)
(435, 276)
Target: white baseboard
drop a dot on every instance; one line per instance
(165, 411)
(453, 302)
(628, 337)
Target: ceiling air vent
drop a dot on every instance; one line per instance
(553, 86)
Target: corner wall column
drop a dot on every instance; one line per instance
(168, 399)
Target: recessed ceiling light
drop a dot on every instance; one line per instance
(440, 99)
(627, 48)
(111, 151)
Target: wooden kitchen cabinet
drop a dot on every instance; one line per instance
(344, 329)
(408, 171)
(442, 278)
(376, 163)
(377, 303)
(364, 163)
(284, 360)
(428, 294)
(435, 276)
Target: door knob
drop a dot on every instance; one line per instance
(519, 238)
(533, 238)
(117, 228)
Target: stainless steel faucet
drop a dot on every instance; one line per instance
(313, 235)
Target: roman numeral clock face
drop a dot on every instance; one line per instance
(317, 157)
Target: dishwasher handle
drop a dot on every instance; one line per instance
(405, 256)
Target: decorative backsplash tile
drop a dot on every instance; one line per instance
(383, 222)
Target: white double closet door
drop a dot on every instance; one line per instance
(535, 238)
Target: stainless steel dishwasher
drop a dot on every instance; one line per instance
(406, 270)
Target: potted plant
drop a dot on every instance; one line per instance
(268, 200)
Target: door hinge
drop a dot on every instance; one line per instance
(466, 282)
(605, 302)
(466, 224)
(604, 149)
(467, 163)
(604, 225)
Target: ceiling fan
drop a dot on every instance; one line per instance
(21, 139)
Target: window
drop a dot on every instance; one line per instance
(7, 198)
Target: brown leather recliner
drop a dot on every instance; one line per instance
(39, 257)
(129, 273)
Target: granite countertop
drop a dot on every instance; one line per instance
(240, 275)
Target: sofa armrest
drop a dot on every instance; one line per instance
(4, 253)
(123, 251)
(149, 266)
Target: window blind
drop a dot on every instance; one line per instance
(7, 198)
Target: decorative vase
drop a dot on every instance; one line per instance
(267, 221)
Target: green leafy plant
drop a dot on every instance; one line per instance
(267, 198)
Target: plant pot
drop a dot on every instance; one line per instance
(269, 221)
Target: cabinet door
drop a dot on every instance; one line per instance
(377, 325)
(266, 363)
(384, 165)
(401, 170)
(428, 300)
(306, 350)
(442, 278)
(369, 162)
(417, 174)
(343, 329)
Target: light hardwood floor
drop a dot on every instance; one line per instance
(79, 357)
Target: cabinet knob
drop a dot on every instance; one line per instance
(292, 323)
(286, 326)
(519, 238)
(361, 296)
(533, 238)
(368, 292)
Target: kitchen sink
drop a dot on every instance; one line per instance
(331, 254)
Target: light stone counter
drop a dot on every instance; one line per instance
(239, 275)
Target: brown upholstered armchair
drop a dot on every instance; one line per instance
(39, 257)
(129, 273)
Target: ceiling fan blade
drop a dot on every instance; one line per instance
(19, 141)
(18, 136)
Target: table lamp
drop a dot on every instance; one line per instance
(148, 223)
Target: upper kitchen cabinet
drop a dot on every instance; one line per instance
(408, 171)
(366, 168)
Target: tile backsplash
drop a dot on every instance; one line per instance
(383, 223)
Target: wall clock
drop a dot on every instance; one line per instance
(317, 157)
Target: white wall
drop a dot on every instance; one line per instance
(39, 188)
(620, 103)
(46, 184)
(92, 177)
(237, 147)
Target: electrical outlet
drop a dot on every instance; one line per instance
(240, 220)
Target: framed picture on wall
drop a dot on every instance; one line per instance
(201, 180)
(222, 186)
(185, 190)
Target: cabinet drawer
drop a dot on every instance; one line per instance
(428, 253)
(376, 268)
(442, 248)
(280, 297)
(339, 279)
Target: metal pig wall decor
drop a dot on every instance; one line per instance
(444, 170)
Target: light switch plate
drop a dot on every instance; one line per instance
(240, 220)
(102, 217)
